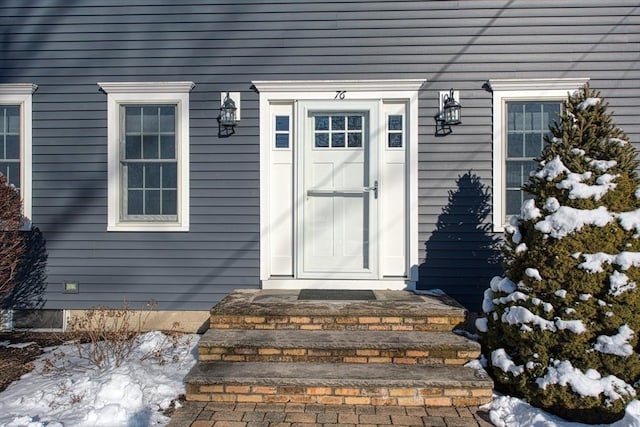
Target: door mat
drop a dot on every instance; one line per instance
(335, 295)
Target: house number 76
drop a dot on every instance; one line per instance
(340, 94)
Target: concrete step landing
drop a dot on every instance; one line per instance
(387, 311)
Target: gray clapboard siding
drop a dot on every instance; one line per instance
(66, 47)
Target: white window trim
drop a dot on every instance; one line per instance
(147, 92)
(402, 90)
(21, 94)
(518, 90)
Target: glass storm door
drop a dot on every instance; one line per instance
(338, 191)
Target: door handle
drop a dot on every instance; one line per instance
(373, 188)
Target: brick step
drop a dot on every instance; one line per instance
(336, 346)
(390, 311)
(338, 383)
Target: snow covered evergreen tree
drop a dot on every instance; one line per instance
(561, 328)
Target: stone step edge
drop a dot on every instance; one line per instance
(336, 346)
(334, 322)
(378, 396)
(338, 384)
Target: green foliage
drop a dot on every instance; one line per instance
(593, 152)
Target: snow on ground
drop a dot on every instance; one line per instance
(67, 390)
(505, 411)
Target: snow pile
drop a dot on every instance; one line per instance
(65, 390)
(506, 411)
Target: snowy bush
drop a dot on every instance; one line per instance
(561, 327)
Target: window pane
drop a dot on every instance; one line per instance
(515, 116)
(282, 140)
(552, 113)
(134, 175)
(170, 175)
(395, 140)
(12, 147)
(514, 202)
(12, 171)
(337, 122)
(150, 146)
(355, 122)
(133, 147)
(337, 139)
(321, 122)
(282, 123)
(395, 122)
(152, 202)
(167, 147)
(169, 202)
(533, 145)
(167, 119)
(150, 119)
(134, 202)
(13, 118)
(132, 119)
(514, 145)
(355, 140)
(518, 172)
(322, 140)
(152, 176)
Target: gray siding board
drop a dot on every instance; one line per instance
(588, 59)
(67, 48)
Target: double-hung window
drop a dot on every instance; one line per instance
(15, 139)
(523, 110)
(148, 134)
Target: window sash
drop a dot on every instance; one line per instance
(526, 125)
(11, 144)
(148, 152)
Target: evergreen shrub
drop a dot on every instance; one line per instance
(561, 328)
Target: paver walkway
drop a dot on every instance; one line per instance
(203, 414)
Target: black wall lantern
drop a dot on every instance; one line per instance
(229, 114)
(449, 114)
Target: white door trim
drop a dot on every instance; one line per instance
(287, 93)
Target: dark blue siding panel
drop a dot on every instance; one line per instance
(66, 47)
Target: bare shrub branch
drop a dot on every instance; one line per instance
(12, 245)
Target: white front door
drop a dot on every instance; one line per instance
(337, 190)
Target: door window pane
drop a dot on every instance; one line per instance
(338, 131)
(322, 140)
(395, 140)
(337, 140)
(282, 132)
(355, 122)
(282, 123)
(321, 122)
(355, 140)
(395, 131)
